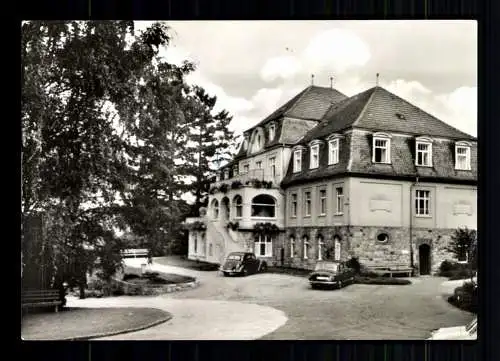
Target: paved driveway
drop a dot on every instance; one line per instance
(277, 306)
(354, 312)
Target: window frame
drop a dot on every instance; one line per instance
(314, 156)
(294, 205)
(467, 147)
(323, 204)
(305, 247)
(427, 142)
(238, 206)
(339, 200)
(272, 132)
(272, 166)
(321, 244)
(292, 246)
(297, 160)
(307, 203)
(333, 151)
(385, 138)
(417, 208)
(267, 241)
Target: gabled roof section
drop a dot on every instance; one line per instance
(379, 109)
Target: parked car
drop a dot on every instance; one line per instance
(468, 332)
(242, 263)
(330, 273)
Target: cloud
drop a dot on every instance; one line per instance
(460, 109)
(284, 67)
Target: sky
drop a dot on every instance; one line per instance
(253, 67)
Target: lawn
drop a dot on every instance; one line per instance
(158, 278)
(86, 323)
(183, 262)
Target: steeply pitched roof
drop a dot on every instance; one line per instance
(379, 109)
(311, 103)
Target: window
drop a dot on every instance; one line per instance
(258, 164)
(424, 154)
(307, 204)
(215, 208)
(226, 173)
(382, 238)
(246, 168)
(297, 161)
(235, 171)
(322, 201)
(238, 205)
(195, 243)
(217, 177)
(271, 132)
(381, 150)
(422, 202)
(337, 247)
(263, 246)
(320, 248)
(294, 205)
(314, 162)
(462, 157)
(272, 165)
(263, 206)
(339, 192)
(292, 246)
(305, 242)
(333, 151)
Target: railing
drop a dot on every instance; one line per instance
(258, 174)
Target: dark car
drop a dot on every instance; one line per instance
(242, 263)
(329, 274)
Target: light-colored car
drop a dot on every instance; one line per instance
(468, 332)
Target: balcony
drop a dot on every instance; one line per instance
(254, 174)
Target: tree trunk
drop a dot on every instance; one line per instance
(81, 286)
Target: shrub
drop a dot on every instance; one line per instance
(454, 270)
(129, 276)
(236, 184)
(354, 264)
(465, 297)
(381, 281)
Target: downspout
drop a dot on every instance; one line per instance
(412, 264)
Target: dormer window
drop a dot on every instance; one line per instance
(314, 161)
(333, 151)
(271, 132)
(462, 156)
(381, 148)
(423, 152)
(257, 141)
(297, 160)
(226, 173)
(235, 170)
(217, 176)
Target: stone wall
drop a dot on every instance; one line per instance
(362, 242)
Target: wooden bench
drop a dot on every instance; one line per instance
(41, 298)
(135, 253)
(390, 269)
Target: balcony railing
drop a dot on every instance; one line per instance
(254, 174)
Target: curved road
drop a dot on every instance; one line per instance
(228, 308)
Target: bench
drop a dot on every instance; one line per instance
(135, 253)
(41, 298)
(390, 269)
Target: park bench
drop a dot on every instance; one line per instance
(390, 269)
(135, 253)
(41, 298)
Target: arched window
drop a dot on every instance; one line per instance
(238, 206)
(292, 246)
(336, 244)
(263, 206)
(305, 243)
(320, 247)
(215, 208)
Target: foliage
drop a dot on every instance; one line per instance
(454, 270)
(353, 263)
(223, 188)
(233, 225)
(465, 297)
(463, 243)
(236, 184)
(266, 227)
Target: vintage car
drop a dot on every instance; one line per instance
(242, 263)
(330, 274)
(468, 332)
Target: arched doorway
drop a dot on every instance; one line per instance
(225, 208)
(424, 259)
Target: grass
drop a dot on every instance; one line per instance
(183, 262)
(87, 323)
(155, 277)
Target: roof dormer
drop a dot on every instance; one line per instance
(257, 140)
(423, 151)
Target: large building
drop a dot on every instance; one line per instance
(331, 176)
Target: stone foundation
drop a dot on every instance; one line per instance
(362, 242)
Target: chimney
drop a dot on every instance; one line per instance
(312, 79)
(331, 82)
(377, 78)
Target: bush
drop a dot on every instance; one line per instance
(465, 297)
(354, 264)
(454, 270)
(381, 281)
